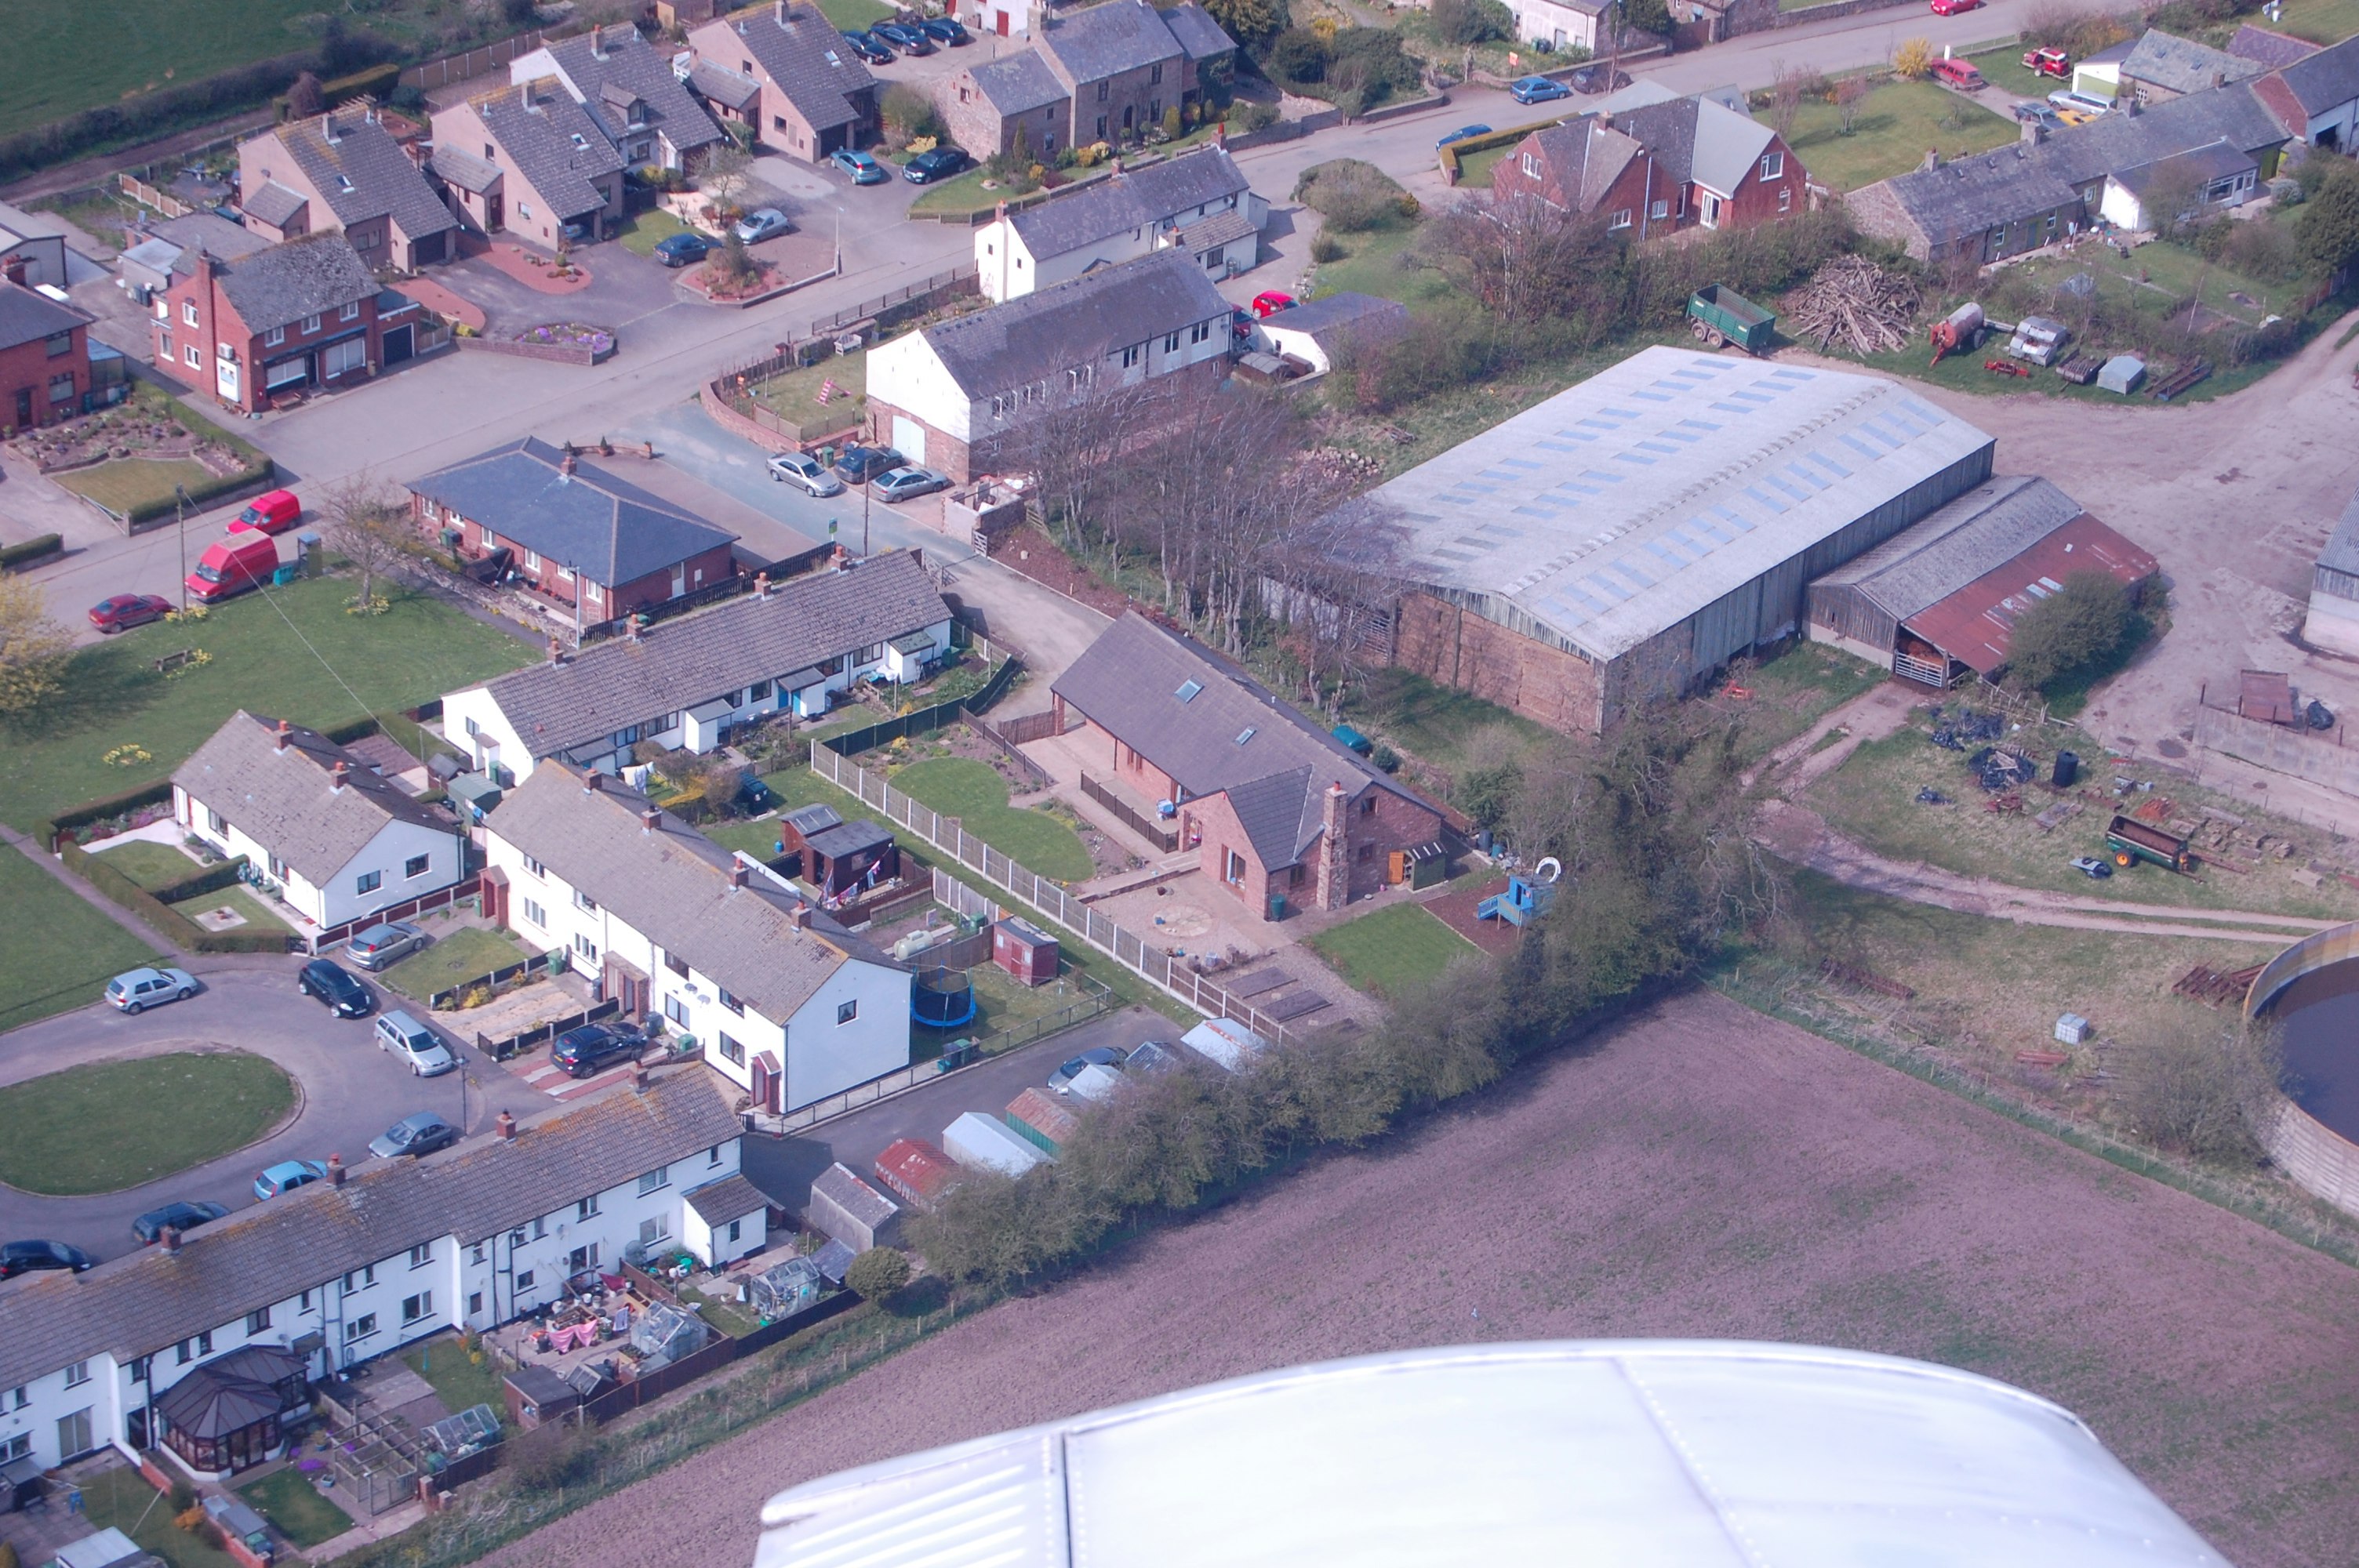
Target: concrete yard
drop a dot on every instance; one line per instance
(1701, 1171)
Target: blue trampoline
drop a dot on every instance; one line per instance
(942, 998)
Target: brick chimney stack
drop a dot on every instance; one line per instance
(336, 775)
(286, 733)
(335, 1170)
(736, 873)
(503, 1128)
(556, 651)
(171, 1238)
(761, 585)
(648, 819)
(639, 1075)
(592, 782)
(803, 917)
(567, 465)
(1335, 849)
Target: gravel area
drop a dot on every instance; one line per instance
(1702, 1172)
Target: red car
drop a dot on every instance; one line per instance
(2048, 62)
(125, 611)
(272, 513)
(1270, 302)
(1959, 74)
(1953, 8)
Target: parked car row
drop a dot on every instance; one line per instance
(877, 44)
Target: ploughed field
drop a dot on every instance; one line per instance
(1705, 1172)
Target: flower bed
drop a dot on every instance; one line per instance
(597, 339)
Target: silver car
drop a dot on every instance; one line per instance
(381, 946)
(763, 223)
(414, 1044)
(804, 473)
(908, 484)
(136, 988)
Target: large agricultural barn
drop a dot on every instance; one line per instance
(1634, 533)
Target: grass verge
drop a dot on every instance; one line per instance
(259, 917)
(57, 952)
(105, 1126)
(288, 1501)
(1897, 123)
(1393, 951)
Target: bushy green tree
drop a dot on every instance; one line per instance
(2326, 230)
(1253, 23)
(877, 1273)
(2069, 629)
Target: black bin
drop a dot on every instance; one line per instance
(2068, 768)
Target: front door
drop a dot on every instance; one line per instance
(400, 343)
(678, 578)
(1709, 212)
(1000, 17)
(495, 213)
(24, 408)
(226, 379)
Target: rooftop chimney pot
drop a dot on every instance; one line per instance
(556, 651)
(803, 917)
(593, 781)
(335, 1170)
(286, 732)
(648, 819)
(503, 1128)
(736, 873)
(171, 1238)
(639, 1075)
(336, 775)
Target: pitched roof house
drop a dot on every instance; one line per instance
(580, 536)
(1652, 167)
(2270, 51)
(1283, 813)
(2213, 176)
(35, 241)
(2162, 66)
(631, 92)
(2316, 98)
(1097, 74)
(342, 171)
(529, 160)
(348, 1269)
(287, 319)
(1197, 202)
(688, 682)
(44, 357)
(337, 839)
(954, 395)
(790, 1007)
(810, 94)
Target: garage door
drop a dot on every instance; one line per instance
(909, 438)
(400, 343)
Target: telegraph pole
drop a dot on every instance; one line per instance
(180, 505)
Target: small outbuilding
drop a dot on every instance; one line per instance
(536, 1397)
(1225, 1042)
(844, 860)
(1024, 951)
(1038, 1120)
(976, 1140)
(2334, 620)
(848, 1209)
(917, 1170)
(2121, 374)
(1326, 330)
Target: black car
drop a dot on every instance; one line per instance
(181, 1216)
(939, 164)
(858, 465)
(24, 1257)
(947, 30)
(584, 1050)
(868, 49)
(902, 37)
(336, 986)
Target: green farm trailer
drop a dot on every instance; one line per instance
(2131, 841)
(1720, 314)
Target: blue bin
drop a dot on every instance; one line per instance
(288, 572)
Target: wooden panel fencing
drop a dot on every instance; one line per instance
(330, 936)
(1028, 727)
(1155, 832)
(465, 67)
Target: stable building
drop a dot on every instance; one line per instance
(1938, 602)
(1623, 540)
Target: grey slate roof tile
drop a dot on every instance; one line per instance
(2182, 65)
(2271, 50)
(1150, 198)
(2218, 161)
(554, 144)
(143, 1301)
(2341, 551)
(614, 66)
(731, 1197)
(341, 146)
(806, 57)
(1196, 33)
(280, 285)
(592, 521)
(681, 661)
(275, 204)
(286, 800)
(1019, 85)
(2325, 80)
(1074, 322)
(465, 170)
(27, 314)
(1105, 40)
(724, 86)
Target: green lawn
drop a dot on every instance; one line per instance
(854, 16)
(291, 1501)
(1371, 264)
(259, 915)
(150, 864)
(1392, 951)
(462, 1384)
(964, 194)
(456, 956)
(2320, 21)
(1475, 168)
(126, 482)
(110, 1125)
(794, 396)
(56, 951)
(418, 649)
(643, 232)
(119, 1499)
(2003, 69)
(1897, 124)
(721, 1310)
(976, 793)
(1431, 721)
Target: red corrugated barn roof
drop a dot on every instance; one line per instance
(1972, 625)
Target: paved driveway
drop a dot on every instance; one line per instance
(783, 1167)
(350, 1092)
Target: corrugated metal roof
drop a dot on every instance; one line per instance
(1700, 1454)
(2341, 552)
(1979, 532)
(1974, 624)
(1625, 504)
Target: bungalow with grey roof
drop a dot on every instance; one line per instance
(529, 160)
(810, 94)
(1197, 202)
(342, 172)
(632, 92)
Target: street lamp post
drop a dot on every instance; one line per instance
(180, 505)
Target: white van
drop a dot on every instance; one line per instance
(2087, 103)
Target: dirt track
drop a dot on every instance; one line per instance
(1705, 1172)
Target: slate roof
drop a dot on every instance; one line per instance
(1966, 196)
(274, 203)
(341, 146)
(465, 170)
(143, 1300)
(1220, 228)
(732, 1197)
(843, 1185)
(283, 800)
(555, 145)
(1587, 157)
(2272, 51)
(1979, 532)
(2081, 155)
(724, 86)
(2218, 161)
(2326, 80)
(691, 657)
(806, 57)
(1076, 321)
(27, 315)
(278, 285)
(671, 885)
(1019, 85)
(1337, 317)
(1128, 682)
(1107, 40)
(2182, 65)
(1149, 198)
(611, 66)
(1698, 138)
(209, 231)
(1197, 33)
(610, 531)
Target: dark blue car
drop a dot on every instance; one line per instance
(907, 39)
(947, 30)
(682, 250)
(868, 49)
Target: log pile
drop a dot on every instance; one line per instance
(1853, 302)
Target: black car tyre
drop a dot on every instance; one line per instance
(185, 993)
(134, 1006)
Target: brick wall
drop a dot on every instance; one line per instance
(1458, 648)
(1393, 824)
(26, 371)
(1215, 822)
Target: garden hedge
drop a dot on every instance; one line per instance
(167, 922)
(31, 550)
(212, 879)
(99, 810)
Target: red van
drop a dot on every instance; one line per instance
(272, 513)
(232, 564)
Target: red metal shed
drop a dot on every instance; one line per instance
(917, 1170)
(1024, 951)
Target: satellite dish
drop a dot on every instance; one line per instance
(1549, 869)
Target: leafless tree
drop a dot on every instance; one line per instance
(1525, 258)
(1849, 93)
(367, 526)
(1786, 91)
(1069, 431)
(724, 172)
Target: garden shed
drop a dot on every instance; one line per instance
(664, 1334)
(847, 1208)
(537, 1396)
(1024, 951)
(849, 857)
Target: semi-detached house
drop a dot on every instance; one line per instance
(1197, 202)
(342, 172)
(686, 683)
(288, 318)
(630, 91)
(528, 161)
(338, 839)
(788, 1006)
(785, 71)
(346, 1269)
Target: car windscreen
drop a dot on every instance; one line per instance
(207, 572)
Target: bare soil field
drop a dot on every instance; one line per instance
(1703, 1172)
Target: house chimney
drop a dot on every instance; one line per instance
(761, 585)
(567, 466)
(2034, 133)
(1221, 134)
(171, 1238)
(1114, 166)
(336, 777)
(639, 1075)
(592, 782)
(14, 268)
(286, 732)
(556, 651)
(2132, 106)
(785, 13)
(648, 819)
(736, 873)
(335, 1170)
(803, 917)
(328, 129)
(598, 43)
(839, 560)
(503, 1128)
(1334, 849)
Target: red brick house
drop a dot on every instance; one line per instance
(302, 315)
(578, 534)
(785, 70)
(1103, 73)
(44, 357)
(1658, 167)
(1284, 816)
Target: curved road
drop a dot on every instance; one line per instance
(351, 1092)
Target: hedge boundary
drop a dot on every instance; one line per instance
(51, 832)
(32, 552)
(176, 928)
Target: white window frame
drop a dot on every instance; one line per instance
(655, 1181)
(310, 323)
(273, 338)
(1773, 167)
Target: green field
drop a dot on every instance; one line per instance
(462, 1384)
(288, 1501)
(1393, 951)
(976, 793)
(1897, 124)
(56, 951)
(151, 865)
(111, 1125)
(456, 955)
(259, 661)
(2320, 21)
